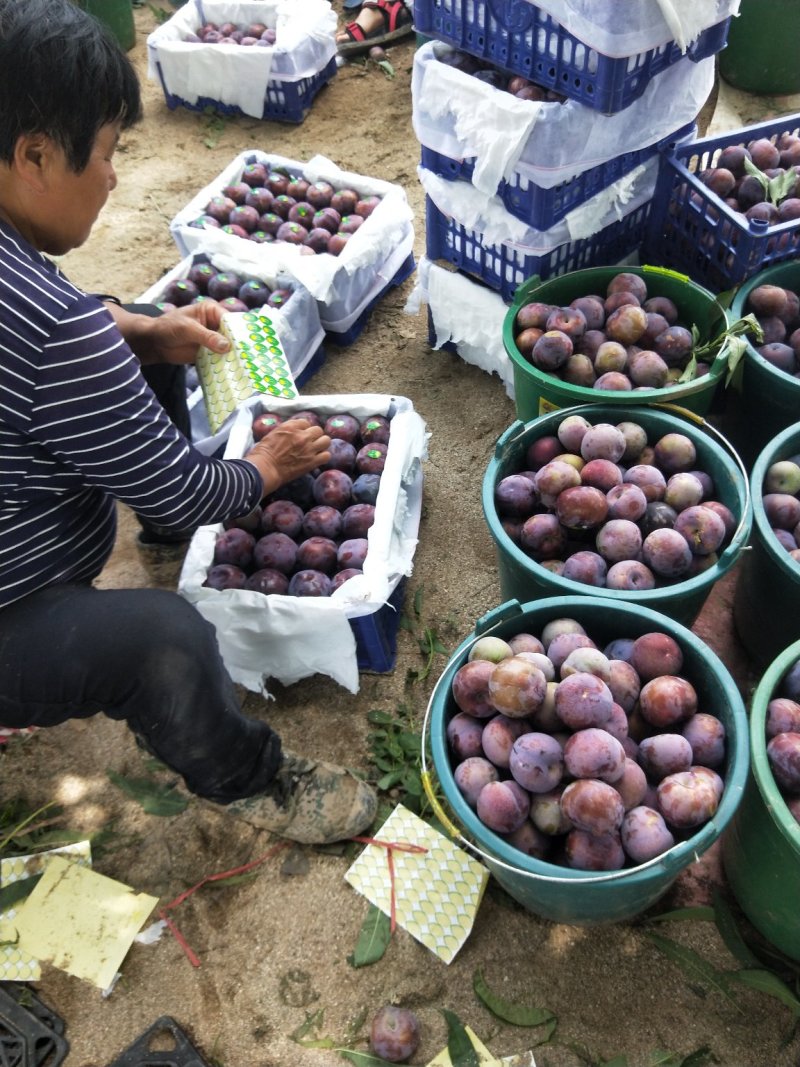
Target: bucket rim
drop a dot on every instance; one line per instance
(668, 864)
(669, 594)
(784, 440)
(777, 274)
(584, 394)
(788, 826)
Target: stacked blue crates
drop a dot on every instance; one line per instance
(517, 38)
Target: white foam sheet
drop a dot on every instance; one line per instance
(464, 313)
(488, 216)
(630, 27)
(554, 141)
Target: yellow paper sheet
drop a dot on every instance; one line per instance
(15, 964)
(437, 892)
(81, 922)
(485, 1058)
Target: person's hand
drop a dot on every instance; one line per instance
(175, 336)
(289, 450)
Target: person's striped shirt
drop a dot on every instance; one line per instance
(80, 429)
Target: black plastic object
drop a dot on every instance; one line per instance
(142, 1054)
(26, 998)
(31, 1035)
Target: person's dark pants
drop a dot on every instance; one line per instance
(145, 656)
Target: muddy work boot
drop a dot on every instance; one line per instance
(309, 801)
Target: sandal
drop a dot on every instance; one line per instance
(397, 23)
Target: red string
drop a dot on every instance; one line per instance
(220, 876)
(391, 847)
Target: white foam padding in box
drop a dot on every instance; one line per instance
(462, 117)
(288, 637)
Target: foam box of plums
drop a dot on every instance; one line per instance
(296, 321)
(273, 82)
(263, 636)
(344, 285)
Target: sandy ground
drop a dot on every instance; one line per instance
(273, 950)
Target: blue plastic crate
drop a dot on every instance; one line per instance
(542, 208)
(522, 39)
(505, 267)
(376, 634)
(285, 101)
(692, 230)
(354, 331)
(314, 364)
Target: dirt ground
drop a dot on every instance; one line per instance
(273, 950)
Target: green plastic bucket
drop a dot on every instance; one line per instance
(767, 399)
(117, 15)
(761, 54)
(761, 847)
(537, 392)
(522, 578)
(562, 894)
(766, 604)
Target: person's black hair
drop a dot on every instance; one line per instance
(62, 74)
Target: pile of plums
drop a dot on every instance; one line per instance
(783, 738)
(588, 757)
(778, 313)
(600, 504)
(254, 33)
(269, 204)
(309, 536)
(519, 86)
(781, 502)
(619, 340)
(760, 179)
(235, 292)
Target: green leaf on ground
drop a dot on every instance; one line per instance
(312, 1021)
(704, 913)
(462, 1051)
(516, 1014)
(694, 966)
(769, 983)
(373, 938)
(419, 597)
(154, 798)
(363, 1059)
(14, 892)
(729, 932)
(160, 14)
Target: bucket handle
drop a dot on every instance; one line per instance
(666, 860)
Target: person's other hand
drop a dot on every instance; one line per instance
(175, 336)
(289, 450)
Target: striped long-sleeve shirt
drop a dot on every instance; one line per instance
(80, 429)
